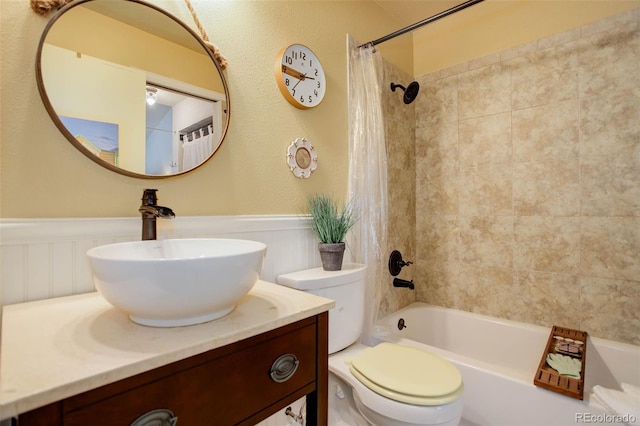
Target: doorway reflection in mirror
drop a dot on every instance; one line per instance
(173, 115)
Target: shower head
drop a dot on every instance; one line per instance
(410, 92)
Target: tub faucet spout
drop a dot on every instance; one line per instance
(399, 282)
(150, 211)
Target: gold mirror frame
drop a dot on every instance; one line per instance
(55, 116)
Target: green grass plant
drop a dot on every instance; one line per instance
(330, 224)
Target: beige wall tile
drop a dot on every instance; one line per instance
(545, 76)
(610, 308)
(485, 140)
(609, 189)
(610, 127)
(437, 193)
(435, 286)
(554, 298)
(484, 91)
(609, 61)
(610, 247)
(485, 190)
(484, 289)
(547, 243)
(530, 210)
(546, 132)
(547, 188)
(437, 148)
(486, 241)
(437, 240)
(437, 102)
(436, 169)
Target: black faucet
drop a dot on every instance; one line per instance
(150, 211)
(398, 282)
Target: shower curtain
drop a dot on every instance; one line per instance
(198, 149)
(367, 171)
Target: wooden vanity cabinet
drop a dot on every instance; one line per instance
(230, 385)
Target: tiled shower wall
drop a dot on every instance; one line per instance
(528, 182)
(399, 122)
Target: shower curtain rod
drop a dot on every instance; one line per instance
(423, 22)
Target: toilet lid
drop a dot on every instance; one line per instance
(407, 374)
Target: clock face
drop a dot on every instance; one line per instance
(300, 76)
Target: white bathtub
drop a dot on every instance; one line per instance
(498, 360)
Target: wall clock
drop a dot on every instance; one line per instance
(300, 76)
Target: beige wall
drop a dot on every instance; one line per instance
(496, 25)
(43, 175)
(528, 182)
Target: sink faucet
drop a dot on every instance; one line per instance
(150, 211)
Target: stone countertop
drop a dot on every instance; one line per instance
(56, 348)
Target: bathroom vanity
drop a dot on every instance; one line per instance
(77, 360)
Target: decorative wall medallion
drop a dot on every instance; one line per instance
(302, 158)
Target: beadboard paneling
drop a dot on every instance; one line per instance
(45, 258)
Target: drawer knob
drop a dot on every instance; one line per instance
(156, 418)
(283, 368)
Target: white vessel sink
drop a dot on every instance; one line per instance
(169, 283)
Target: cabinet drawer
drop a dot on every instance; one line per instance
(224, 390)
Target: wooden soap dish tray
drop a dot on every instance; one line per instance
(548, 378)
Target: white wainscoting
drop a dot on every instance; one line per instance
(45, 258)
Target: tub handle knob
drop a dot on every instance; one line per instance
(396, 263)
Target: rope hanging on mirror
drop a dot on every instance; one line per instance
(43, 7)
(216, 53)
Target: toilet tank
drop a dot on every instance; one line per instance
(346, 288)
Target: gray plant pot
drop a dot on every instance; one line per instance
(331, 255)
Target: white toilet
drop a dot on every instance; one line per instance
(384, 385)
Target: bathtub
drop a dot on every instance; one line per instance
(498, 360)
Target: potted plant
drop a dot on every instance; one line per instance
(330, 225)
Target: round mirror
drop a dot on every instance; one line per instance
(132, 87)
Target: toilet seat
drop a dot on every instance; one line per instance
(407, 374)
(383, 406)
(372, 404)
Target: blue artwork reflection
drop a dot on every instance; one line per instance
(103, 137)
